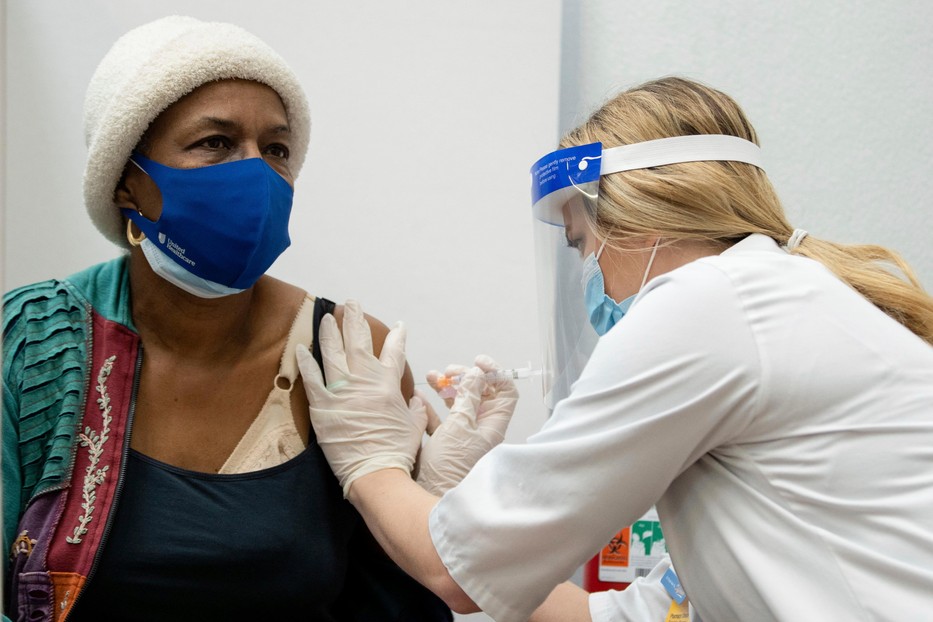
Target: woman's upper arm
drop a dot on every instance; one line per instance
(379, 332)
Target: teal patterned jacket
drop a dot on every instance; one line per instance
(70, 355)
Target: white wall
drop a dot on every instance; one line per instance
(426, 117)
(841, 94)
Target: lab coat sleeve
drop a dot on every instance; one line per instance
(677, 377)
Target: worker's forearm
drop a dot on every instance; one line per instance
(566, 603)
(396, 510)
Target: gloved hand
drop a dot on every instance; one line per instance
(477, 421)
(360, 418)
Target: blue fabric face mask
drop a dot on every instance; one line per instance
(224, 224)
(603, 311)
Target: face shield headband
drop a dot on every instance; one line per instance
(565, 187)
(565, 174)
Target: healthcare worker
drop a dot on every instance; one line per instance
(770, 392)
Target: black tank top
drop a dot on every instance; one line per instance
(197, 546)
(276, 544)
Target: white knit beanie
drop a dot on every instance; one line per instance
(150, 68)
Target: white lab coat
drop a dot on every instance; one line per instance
(782, 425)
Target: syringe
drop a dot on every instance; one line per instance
(447, 385)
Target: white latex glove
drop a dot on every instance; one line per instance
(360, 417)
(479, 416)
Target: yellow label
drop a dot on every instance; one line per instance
(678, 613)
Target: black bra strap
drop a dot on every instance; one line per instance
(322, 306)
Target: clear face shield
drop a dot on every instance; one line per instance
(565, 185)
(565, 193)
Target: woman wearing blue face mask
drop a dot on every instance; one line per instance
(770, 392)
(158, 460)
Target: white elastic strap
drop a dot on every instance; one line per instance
(654, 251)
(695, 148)
(139, 167)
(600, 251)
(795, 239)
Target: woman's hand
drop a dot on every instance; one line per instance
(477, 421)
(360, 418)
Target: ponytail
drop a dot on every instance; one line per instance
(873, 272)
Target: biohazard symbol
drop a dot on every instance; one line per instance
(617, 545)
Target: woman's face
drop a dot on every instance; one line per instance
(622, 269)
(216, 123)
(577, 231)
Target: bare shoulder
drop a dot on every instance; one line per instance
(379, 332)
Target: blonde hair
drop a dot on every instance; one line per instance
(723, 202)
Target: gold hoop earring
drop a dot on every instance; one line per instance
(133, 240)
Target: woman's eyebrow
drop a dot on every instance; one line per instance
(217, 122)
(229, 124)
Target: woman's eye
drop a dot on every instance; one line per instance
(574, 244)
(216, 142)
(278, 151)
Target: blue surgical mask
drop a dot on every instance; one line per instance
(181, 278)
(603, 311)
(224, 225)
